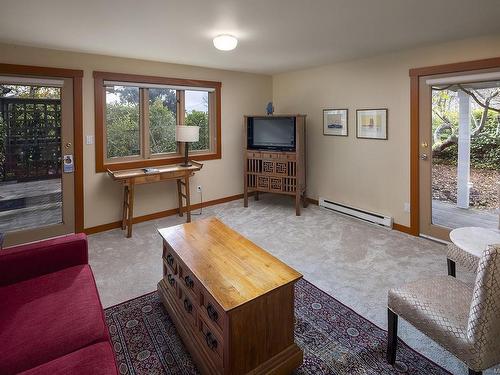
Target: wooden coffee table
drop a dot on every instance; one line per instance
(231, 301)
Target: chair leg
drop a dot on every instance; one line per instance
(392, 336)
(472, 372)
(451, 267)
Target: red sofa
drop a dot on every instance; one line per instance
(51, 317)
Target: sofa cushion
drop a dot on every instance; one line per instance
(49, 316)
(97, 359)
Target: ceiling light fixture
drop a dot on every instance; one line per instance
(225, 42)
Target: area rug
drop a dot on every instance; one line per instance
(334, 338)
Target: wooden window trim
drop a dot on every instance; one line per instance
(99, 103)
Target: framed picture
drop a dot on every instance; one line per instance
(335, 122)
(371, 123)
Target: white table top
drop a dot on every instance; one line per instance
(474, 240)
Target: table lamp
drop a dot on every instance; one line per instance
(187, 134)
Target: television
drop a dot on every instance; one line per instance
(271, 133)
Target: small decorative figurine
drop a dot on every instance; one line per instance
(270, 108)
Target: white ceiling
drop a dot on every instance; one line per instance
(274, 35)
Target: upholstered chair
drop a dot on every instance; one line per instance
(464, 319)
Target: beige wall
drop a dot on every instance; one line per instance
(242, 93)
(369, 174)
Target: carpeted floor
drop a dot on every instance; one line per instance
(335, 339)
(354, 261)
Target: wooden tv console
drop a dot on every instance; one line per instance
(276, 171)
(231, 302)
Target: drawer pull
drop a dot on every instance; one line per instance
(189, 282)
(171, 280)
(188, 306)
(170, 260)
(211, 341)
(212, 313)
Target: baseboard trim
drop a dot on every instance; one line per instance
(161, 214)
(395, 226)
(402, 228)
(312, 201)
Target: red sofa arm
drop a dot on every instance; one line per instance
(25, 262)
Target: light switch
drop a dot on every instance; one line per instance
(89, 140)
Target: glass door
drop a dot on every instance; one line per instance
(36, 159)
(460, 153)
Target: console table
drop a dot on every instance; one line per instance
(231, 302)
(131, 177)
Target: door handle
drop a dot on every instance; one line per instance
(423, 156)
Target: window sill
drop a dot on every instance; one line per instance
(135, 164)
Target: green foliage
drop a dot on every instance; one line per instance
(122, 123)
(162, 123)
(122, 127)
(199, 118)
(19, 91)
(485, 147)
(123, 135)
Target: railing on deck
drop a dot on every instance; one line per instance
(30, 139)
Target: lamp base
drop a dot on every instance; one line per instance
(186, 165)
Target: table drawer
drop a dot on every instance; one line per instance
(170, 282)
(189, 283)
(170, 259)
(212, 341)
(188, 306)
(212, 311)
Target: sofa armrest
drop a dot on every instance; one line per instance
(25, 262)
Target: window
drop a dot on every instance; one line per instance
(136, 118)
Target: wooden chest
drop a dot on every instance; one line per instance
(231, 301)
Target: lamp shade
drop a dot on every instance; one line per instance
(184, 133)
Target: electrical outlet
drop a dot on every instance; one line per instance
(89, 139)
(198, 188)
(407, 207)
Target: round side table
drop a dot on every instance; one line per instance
(467, 246)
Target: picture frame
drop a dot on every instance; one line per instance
(336, 122)
(372, 123)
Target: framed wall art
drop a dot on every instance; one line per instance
(335, 122)
(371, 123)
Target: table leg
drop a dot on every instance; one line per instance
(245, 194)
(451, 267)
(125, 206)
(188, 200)
(130, 210)
(179, 194)
(297, 203)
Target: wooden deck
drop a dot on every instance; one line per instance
(450, 216)
(30, 204)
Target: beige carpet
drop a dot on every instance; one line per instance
(354, 261)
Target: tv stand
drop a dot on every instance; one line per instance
(277, 171)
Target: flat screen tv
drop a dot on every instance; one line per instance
(271, 133)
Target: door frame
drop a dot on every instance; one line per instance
(415, 75)
(76, 76)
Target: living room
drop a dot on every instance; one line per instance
(351, 171)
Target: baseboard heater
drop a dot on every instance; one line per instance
(368, 216)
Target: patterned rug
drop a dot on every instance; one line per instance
(335, 339)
